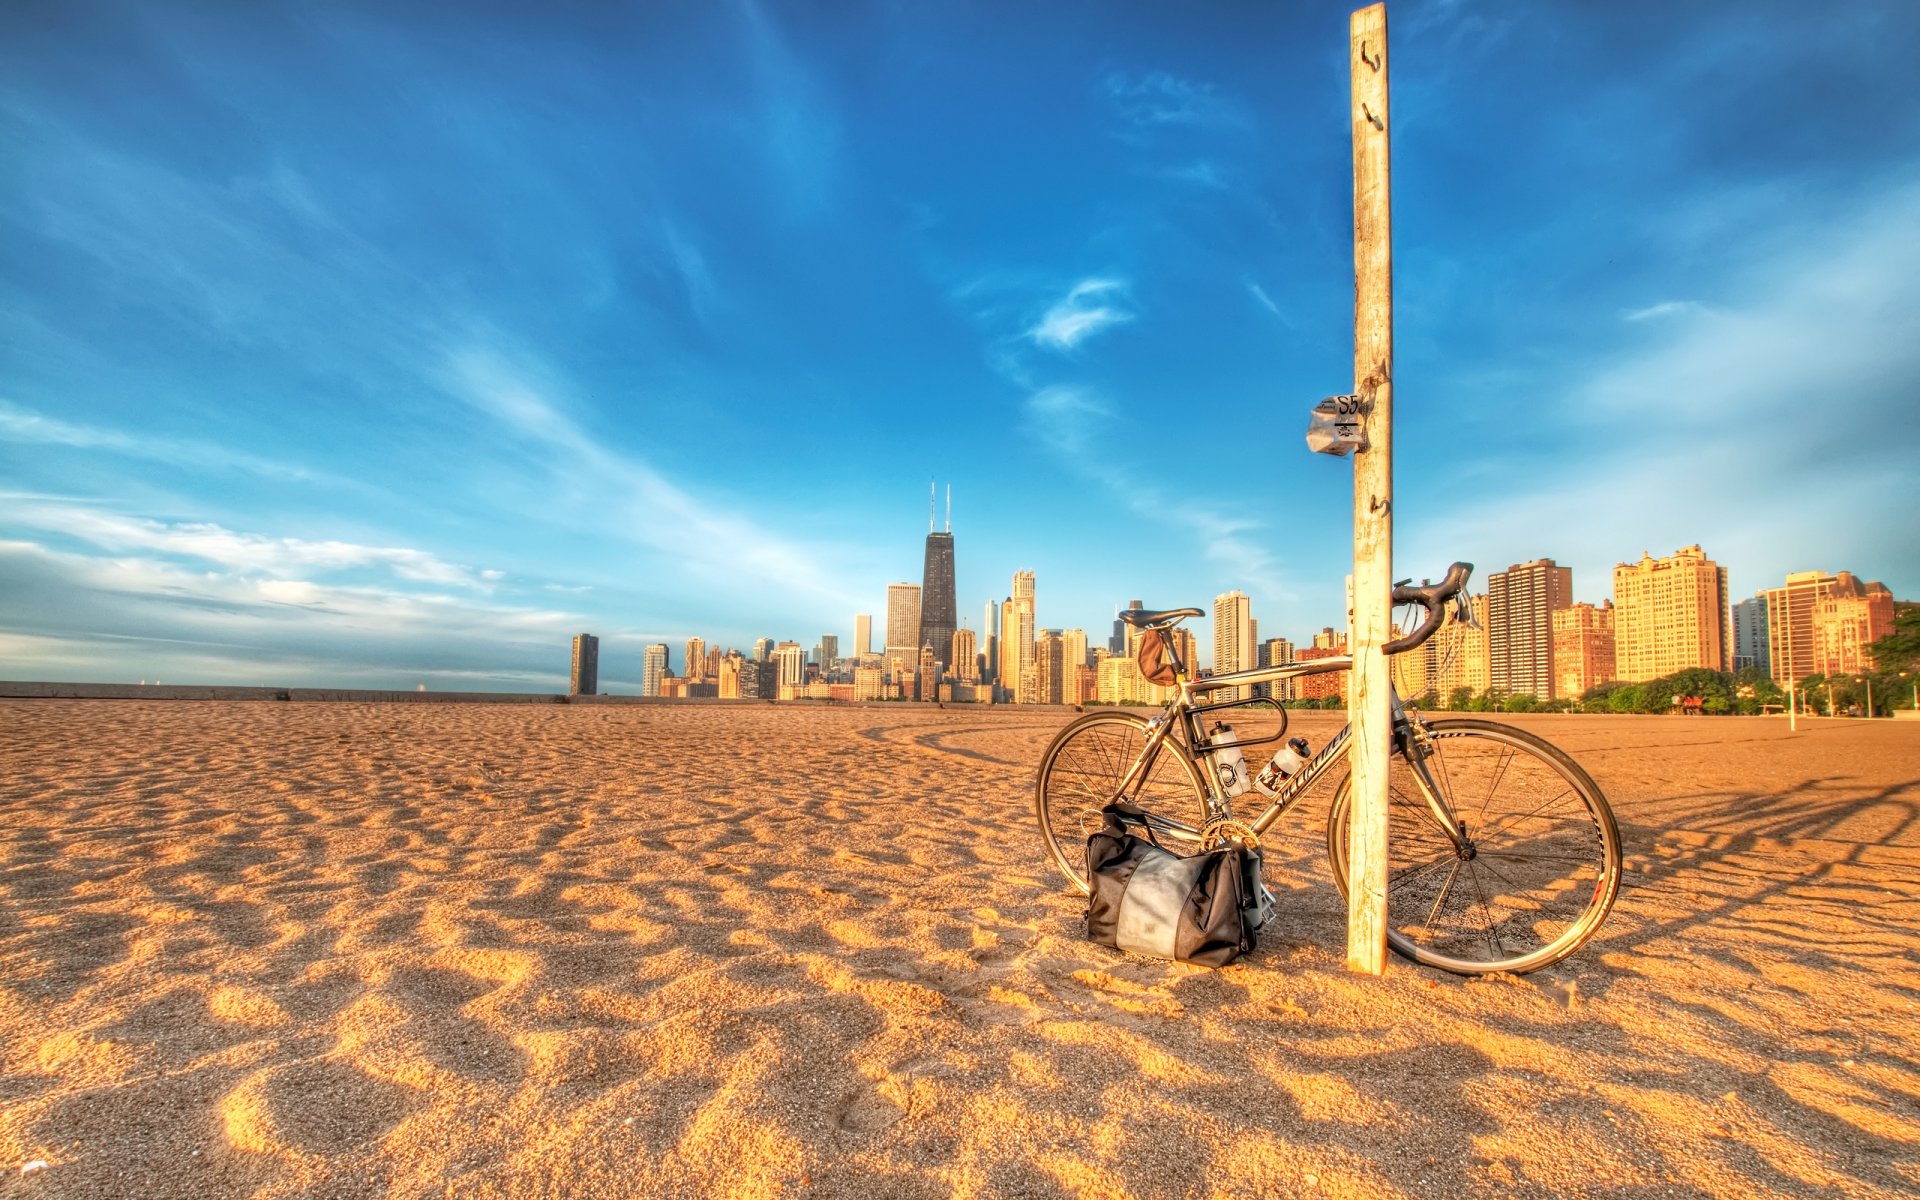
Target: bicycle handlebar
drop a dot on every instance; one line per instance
(1433, 597)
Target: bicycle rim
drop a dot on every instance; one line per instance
(1543, 866)
(1081, 774)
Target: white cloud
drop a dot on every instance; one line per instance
(1091, 306)
(1666, 308)
(1158, 99)
(24, 426)
(172, 619)
(636, 502)
(243, 553)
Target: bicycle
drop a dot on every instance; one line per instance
(1504, 855)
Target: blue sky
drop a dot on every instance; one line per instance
(374, 345)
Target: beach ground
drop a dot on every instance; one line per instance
(329, 950)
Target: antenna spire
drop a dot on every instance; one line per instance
(949, 508)
(933, 494)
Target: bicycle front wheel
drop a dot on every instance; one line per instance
(1541, 863)
(1083, 772)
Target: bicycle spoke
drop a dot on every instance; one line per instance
(1486, 909)
(1510, 822)
(1411, 873)
(1445, 888)
(1493, 785)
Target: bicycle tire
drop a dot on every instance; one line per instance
(1081, 772)
(1543, 868)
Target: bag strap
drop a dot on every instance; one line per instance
(1124, 817)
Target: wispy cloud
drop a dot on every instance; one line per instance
(1158, 99)
(1264, 300)
(280, 558)
(1661, 311)
(633, 499)
(1091, 306)
(25, 426)
(1085, 435)
(187, 624)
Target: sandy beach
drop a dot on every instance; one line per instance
(329, 950)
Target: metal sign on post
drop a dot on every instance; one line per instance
(1337, 426)
(1369, 708)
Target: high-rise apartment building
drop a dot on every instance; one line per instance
(829, 651)
(1277, 652)
(1319, 687)
(759, 679)
(1750, 634)
(790, 664)
(964, 658)
(1850, 617)
(1669, 614)
(986, 644)
(938, 615)
(1017, 636)
(903, 622)
(585, 680)
(862, 634)
(1117, 644)
(1790, 648)
(653, 669)
(1583, 648)
(1521, 601)
(1073, 657)
(1233, 639)
(696, 660)
(1457, 656)
(1049, 664)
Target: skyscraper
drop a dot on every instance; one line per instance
(1074, 656)
(1669, 614)
(1117, 644)
(964, 658)
(653, 669)
(829, 651)
(1583, 648)
(1521, 601)
(938, 615)
(762, 649)
(903, 621)
(1750, 633)
(1851, 616)
(1233, 639)
(862, 634)
(696, 659)
(586, 666)
(1049, 664)
(1018, 647)
(790, 665)
(1790, 624)
(990, 641)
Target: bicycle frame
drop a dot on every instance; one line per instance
(1184, 714)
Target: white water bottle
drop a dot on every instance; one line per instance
(1285, 761)
(1229, 764)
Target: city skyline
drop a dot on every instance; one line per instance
(721, 288)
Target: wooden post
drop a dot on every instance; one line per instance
(1372, 615)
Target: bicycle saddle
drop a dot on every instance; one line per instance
(1147, 618)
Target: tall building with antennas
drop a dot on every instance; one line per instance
(939, 616)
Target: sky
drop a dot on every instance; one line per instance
(392, 344)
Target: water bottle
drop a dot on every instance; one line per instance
(1285, 761)
(1229, 764)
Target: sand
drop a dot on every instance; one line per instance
(307, 949)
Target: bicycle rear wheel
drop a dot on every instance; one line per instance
(1542, 863)
(1081, 774)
